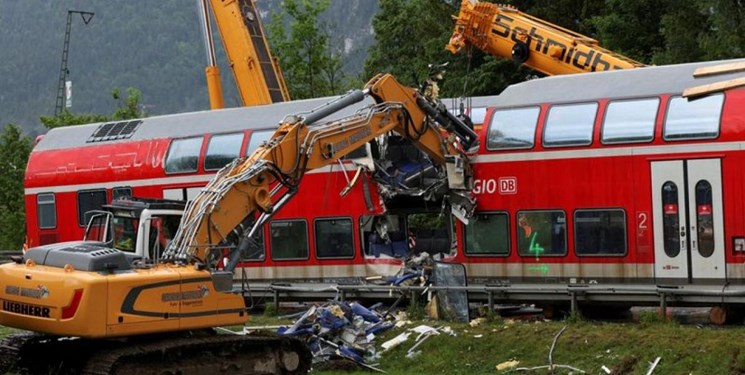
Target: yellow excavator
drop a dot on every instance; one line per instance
(503, 31)
(257, 73)
(97, 310)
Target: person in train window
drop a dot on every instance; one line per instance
(534, 234)
(526, 235)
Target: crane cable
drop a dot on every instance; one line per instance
(469, 55)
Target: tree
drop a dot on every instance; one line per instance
(14, 151)
(405, 45)
(310, 67)
(632, 27)
(682, 28)
(128, 108)
(724, 36)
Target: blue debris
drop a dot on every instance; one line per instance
(339, 329)
(366, 314)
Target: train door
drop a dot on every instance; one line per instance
(687, 216)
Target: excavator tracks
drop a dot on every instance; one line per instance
(199, 355)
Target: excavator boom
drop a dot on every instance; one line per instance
(301, 144)
(504, 31)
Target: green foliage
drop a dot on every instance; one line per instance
(416, 309)
(426, 221)
(492, 316)
(67, 118)
(14, 151)
(647, 318)
(724, 34)
(670, 32)
(270, 310)
(681, 27)
(128, 108)
(575, 317)
(311, 68)
(409, 35)
(632, 27)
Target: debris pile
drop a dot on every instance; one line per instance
(346, 331)
(417, 270)
(340, 330)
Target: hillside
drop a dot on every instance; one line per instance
(156, 47)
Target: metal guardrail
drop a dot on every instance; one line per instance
(571, 294)
(6, 254)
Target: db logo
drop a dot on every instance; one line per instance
(503, 185)
(507, 185)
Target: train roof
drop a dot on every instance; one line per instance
(648, 81)
(203, 122)
(640, 82)
(192, 123)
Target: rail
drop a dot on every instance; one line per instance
(6, 254)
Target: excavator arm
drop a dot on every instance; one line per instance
(503, 31)
(269, 177)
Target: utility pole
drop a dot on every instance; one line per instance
(63, 73)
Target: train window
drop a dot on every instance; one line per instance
(334, 238)
(257, 137)
(600, 232)
(120, 192)
(670, 219)
(183, 155)
(88, 201)
(570, 124)
(512, 128)
(477, 115)
(630, 121)
(289, 239)
(384, 235)
(541, 233)
(704, 219)
(46, 211)
(256, 248)
(222, 149)
(431, 233)
(489, 234)
(693, 119)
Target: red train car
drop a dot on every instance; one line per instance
(607, 177)
(611, 177)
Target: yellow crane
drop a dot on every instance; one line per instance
(257, 73)
(504, 31)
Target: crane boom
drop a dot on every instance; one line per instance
(257, 74)
(504, 31)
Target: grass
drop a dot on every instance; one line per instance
(624, 348)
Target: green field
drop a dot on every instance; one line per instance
(623, 348)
